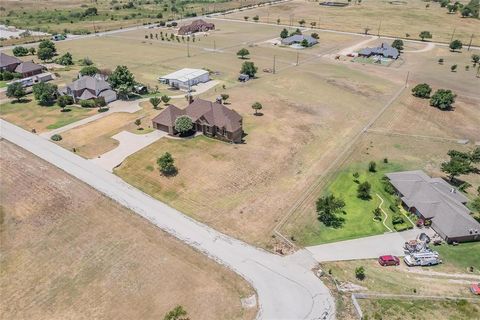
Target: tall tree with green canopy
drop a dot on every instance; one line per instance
(455, 45)
(183, 125)
(456, 167)
(166, 164)
(16, 90)
(242, 53)
(397, 44)
(442, 99)
(422, 90)
(425, 35)
(65, 60)
(327, 208)
(89, 71)
(249, 69)
(122, 80)
(363, 190)
(284, 33)
(45, 93)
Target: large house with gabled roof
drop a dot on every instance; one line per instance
(89, 87)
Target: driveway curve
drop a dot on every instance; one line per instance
(286, 286)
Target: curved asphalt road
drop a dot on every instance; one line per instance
(286, 286)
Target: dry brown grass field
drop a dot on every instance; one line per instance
(396, 20)
(70, 253)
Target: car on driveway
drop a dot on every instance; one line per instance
(388, 260)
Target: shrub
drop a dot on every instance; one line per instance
(20, 51)
(443, 99)
(44, 93)
(398, 219)
(56, 137)
(363, 190)
(360, 273)
(166, 164)
(422, 90)
(87, 103)
(372, 166)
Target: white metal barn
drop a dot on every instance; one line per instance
(185, 78)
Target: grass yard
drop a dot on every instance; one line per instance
(460, 258)
(399, 280)
(391, 309)
(29, 115)
(393, 20)
(68, 252)
(358, 213)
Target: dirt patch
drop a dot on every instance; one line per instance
(69, 252)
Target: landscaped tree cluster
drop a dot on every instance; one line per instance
(122, 80)
(328, 208)
(183, 125)
(461, 163)
(46, 50)
(45, 93)
(249, 69)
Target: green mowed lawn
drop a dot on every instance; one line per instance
(460, 258)
(358, 213)
(29, 115)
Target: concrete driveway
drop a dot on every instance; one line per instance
(129, 144)
(366, 248)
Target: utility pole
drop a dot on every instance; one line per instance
(274, 64)
(470, 43)
(453, 33)
(214, 46)
(406, 80)
(379, 26)
(188, 49)
(297, 59)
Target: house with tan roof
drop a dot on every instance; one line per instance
(211, 118)
(435, 200)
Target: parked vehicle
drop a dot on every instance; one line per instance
(426, 258)
(388, 260)
(475, 288)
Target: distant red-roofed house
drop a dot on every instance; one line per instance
(196, 26)
(211, 118)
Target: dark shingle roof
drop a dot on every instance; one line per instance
(6, 60)
(28, 66)
(168, 116)
(298, 38)
(88, 82)
(384, 50)
(437, 200)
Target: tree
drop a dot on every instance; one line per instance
(456, 167)
(422, 90)
(249, 69)
(372, 166)
(45, 54)
(440, 61)
(278, 21)
(16, 90)
(284, 33)
(360, 273)
(177, 313)
(363, 190)
(64, 101)
(89, 71)
(475, 58)
(224, 97)
(86, 61)
(442, 99)
(476, 204)
(165, 99)
(257, 106)
(155, 101)
(453, 68)
(32, 50)
(301, 22)
(355, 177)
(242, 53)
(44, 93)
(327, 207)
(466, 12)
(90, 12)
(315, 35)
(47, 44)
(166, 164)
(138, 122)
(246, 18)
(183, 125)
(377, 214)
(397, 44)
(455, 45)
(304, 43)
(20, 51)
(425, 35)
(65, 60)
(121, 76)
(474, 5)
(256, 18)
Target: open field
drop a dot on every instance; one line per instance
(86, 256)
(395, 20)
(60, 16)
(30, 115)
(391, 309)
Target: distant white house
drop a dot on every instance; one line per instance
(185, 78)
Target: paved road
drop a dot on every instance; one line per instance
(366, 248)
(286, 287)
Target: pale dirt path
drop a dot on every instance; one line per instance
(286, 286)
(428, 47)
(386, 215)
